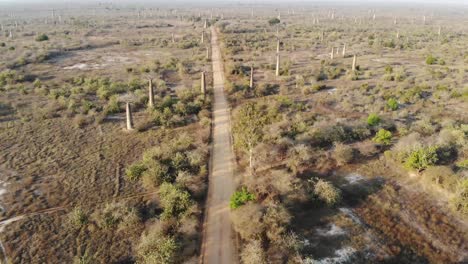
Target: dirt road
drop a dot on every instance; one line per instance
(218, 244)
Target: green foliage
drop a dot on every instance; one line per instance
(318, 87)
(383, 137)
(78, 217)
(421, 158)
(113, 106)
(392, 104)
(274, 21)
(174, 200)
(10, 77)
(463, 164)
(240, 198)
(117, 215)
(373, 120)
(135, 171)
(388, 69)
(431, 60)
(248, 127)
(42, 37)
(339, 133)
(157, 248)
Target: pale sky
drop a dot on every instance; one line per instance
(220, 2)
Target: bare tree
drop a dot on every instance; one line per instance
(354, 63)
(203, 83)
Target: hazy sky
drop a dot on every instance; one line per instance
(229, 1)
(282, 2)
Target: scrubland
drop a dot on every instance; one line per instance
(343, 163)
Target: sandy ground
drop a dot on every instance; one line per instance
(218, 243)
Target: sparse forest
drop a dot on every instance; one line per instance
(316, 132)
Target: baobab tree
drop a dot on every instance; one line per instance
(203, 83)
(128, 99)
(251, 83)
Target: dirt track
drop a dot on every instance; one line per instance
(218, 243)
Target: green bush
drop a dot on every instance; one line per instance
(383, 137)
(392, 104)
(42, 37)
(318, 87)
(157, 248)
(421, 158)
(431, 60)
(135, 171)
(240, 198)
(373, 120)
(388, 69)
(174, 200)
(274, 21)
(78, 217)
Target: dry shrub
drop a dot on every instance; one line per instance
(117, 215)
(298, 157)
(441, 176)
(367, 148)
(247, 221)
(326, 192)
(253, 253)
(196, 184)
(343, 154)
(460, 202)
(80, 121)
(51, 110)
(272, 184)
(276, 219)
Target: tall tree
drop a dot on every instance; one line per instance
(248, 128)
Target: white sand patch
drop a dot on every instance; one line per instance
(342, 255)
(351, 215)
(79, 66)
(353, 178)
(331, 91)
(9, 221)
(331, 230)
(118, 59)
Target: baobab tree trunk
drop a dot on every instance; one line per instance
(354, 63)
(332, 53)
(278, 46)
(207, 52)
(344, 50)
(438, 32)
(251, 159)
(203, 83)
(203, 37)
(251, 77)
(150, 93)
(172, 37)
(277, 64)
(205, 25)
(129, 117)
(398, 34)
